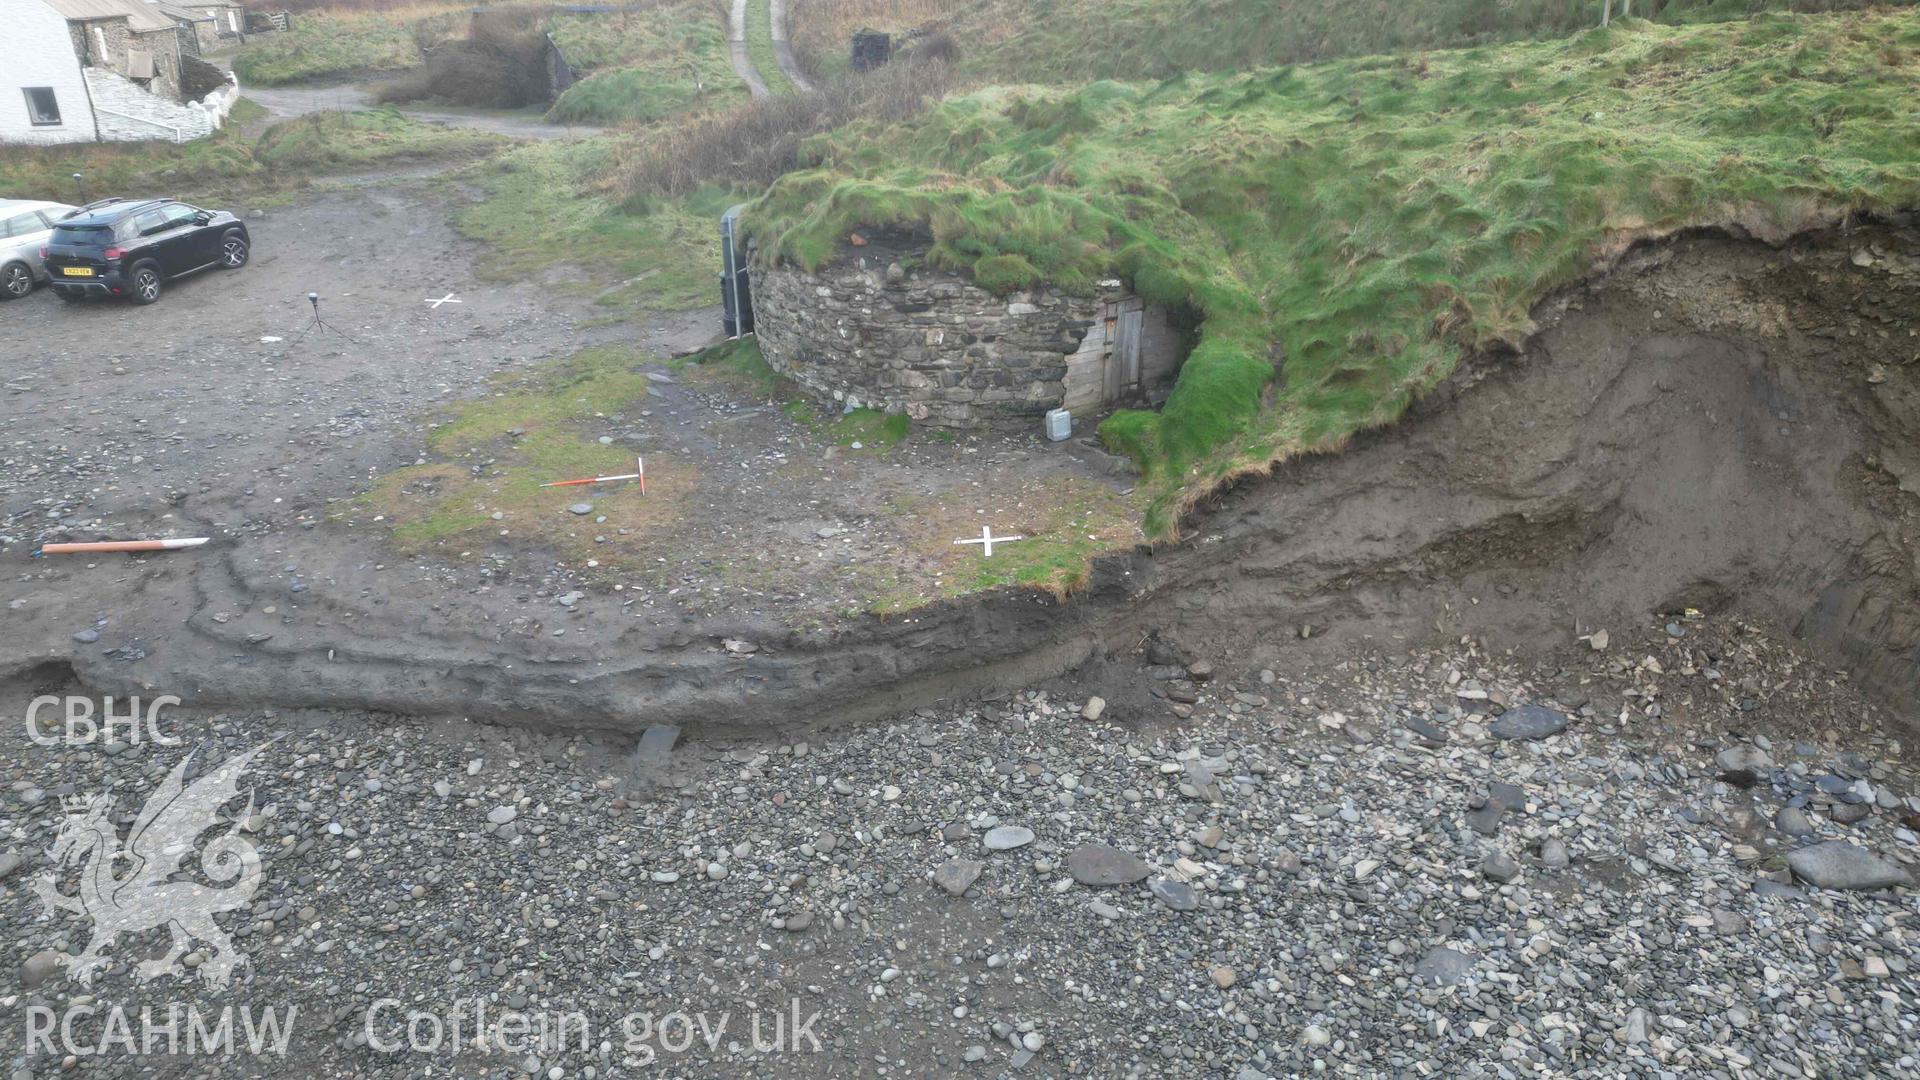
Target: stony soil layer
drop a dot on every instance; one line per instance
(1447, 862)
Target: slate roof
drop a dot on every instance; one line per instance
(141, 17)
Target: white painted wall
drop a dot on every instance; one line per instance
(36, 51)
(128, 113)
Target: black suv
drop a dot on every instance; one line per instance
(119, 247)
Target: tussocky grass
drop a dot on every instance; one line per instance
(1348, 231)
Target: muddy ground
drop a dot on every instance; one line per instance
(299, 99)
(1718, 423)
(226, 410)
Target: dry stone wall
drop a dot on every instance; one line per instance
(879, 329)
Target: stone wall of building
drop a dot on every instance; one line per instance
(164, 47)
(188, 40)
(878, 329)
(102, 42)
(108, 43)
(198, 36)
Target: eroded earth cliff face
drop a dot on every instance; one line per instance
(1717, 423)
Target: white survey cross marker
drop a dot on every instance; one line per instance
(987, 540)
(447, 299)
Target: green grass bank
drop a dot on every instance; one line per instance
(1350, 229)
(645, 65)
(228, 165)
(1077, 41)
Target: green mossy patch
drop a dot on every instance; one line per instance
(490, 456)
(872, 429)
(344, 140)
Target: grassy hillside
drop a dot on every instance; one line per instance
(1348, 230)
(228, 166)
(551, 203)
(338, 141)
(822, 30)
(646, 64)
(324, 44)
(639, 65)
(1083, 40)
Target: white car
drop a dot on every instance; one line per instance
(24, 227)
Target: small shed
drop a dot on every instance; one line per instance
(880, 327)
(871, 49)
(128, 37)
(200, 26)
(229, 16)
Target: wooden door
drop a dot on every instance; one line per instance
(1110, 375)
(1120, 362)
(1128, 348)
(1123, 349)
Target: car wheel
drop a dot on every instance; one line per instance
(233, 251)
(16, 281)
(146, 285)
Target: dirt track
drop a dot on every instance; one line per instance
(226, 411)
(286, 102)
(737, 53)
(783, 47)
(1720, 423)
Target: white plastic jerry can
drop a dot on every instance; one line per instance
(1059, 425)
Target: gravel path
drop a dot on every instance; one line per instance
(286, 102)
(737, 50)
(1342, 868)
(783, 48)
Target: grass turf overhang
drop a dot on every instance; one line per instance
(1349, 230)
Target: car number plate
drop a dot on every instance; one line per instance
(77, 271)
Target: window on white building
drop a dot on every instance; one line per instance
(42, 108)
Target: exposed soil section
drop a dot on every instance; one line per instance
(1717, 423)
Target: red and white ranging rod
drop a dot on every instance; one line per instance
(640, 463)
(122, 545)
